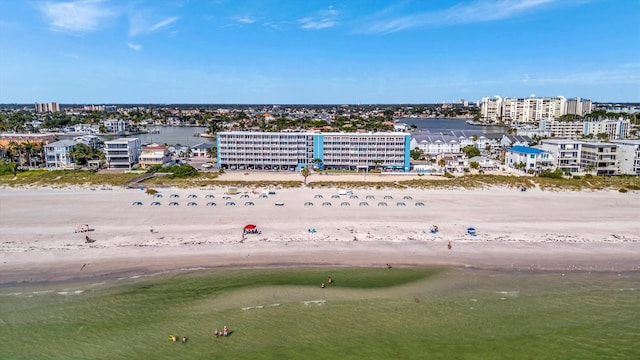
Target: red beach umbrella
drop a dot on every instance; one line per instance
(249, 227)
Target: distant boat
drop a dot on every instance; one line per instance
(196, 134)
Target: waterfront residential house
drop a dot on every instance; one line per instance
(116, 126)
(454, 162)
(58, 154)
(201, 150)
(90, 140)
(295, 150)
(122, 153)
(599, 158)
(628, 156)
(154, 155)
(531, 160)
(485, 163)
(509, 141)
(566, 153)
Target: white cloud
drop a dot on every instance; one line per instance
(72, 56)
(76, 16)
(325, 19)
(463, 13)
(244, 20)
(136, 47)
(140, 24)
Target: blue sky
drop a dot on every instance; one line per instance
(316, 51)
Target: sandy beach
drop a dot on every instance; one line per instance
(526, 231)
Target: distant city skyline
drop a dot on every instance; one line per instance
(317, 52)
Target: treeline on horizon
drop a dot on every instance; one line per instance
(214, 106)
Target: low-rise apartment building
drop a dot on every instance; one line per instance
(566, 153)
(57, 154)
(293, 151)
(153, 155)
(628, 156)
(599, 158)
(122, 153)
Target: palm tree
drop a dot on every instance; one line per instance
(212, 152)
(318, 163)
(377, 163)
(305, 173)
(442, 162)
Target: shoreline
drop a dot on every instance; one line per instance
(532, 231)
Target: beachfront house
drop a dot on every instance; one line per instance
(528, 159)
(454, 162)
(58, 154)
(484, 163)
(153, 155)
(122, 153)
(201, 150)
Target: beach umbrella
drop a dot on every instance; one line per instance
(249, 227)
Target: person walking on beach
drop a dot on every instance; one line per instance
(449, 245)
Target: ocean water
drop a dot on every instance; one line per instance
(458, 313)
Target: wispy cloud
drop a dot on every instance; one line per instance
(244, 20)
(76, 16)
(136, 47)
(323, 20)
(72, 56)
(463, 13)
(140, 24)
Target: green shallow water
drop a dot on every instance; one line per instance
(414, 313)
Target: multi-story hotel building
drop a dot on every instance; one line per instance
(293, 151)
(122, 153)
(628, 156)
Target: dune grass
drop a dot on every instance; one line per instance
(211, 179)
(380, 313)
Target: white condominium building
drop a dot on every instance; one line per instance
(293, 151)
(566, 153)
(599, 157)
(615, 129)
(122, 153)
(491, 109)
(522, 110)
(628, 156)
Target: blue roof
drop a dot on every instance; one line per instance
(526, 150)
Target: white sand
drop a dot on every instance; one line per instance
(527, 231)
